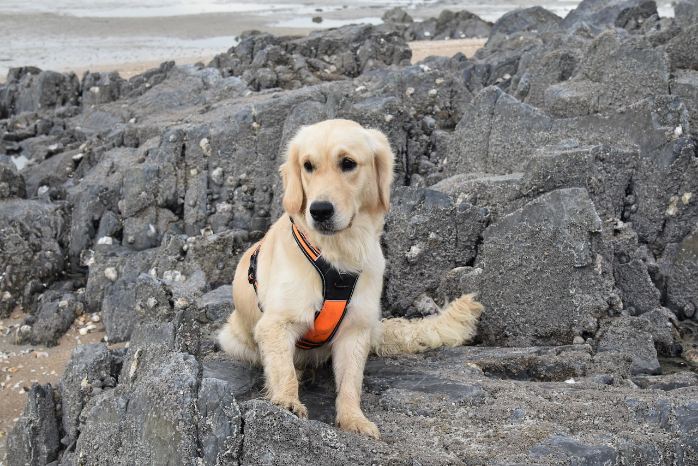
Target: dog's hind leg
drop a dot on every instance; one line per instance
(237, 342)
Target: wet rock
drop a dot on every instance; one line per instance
(35, 439)
(530, 258)
(632, 336)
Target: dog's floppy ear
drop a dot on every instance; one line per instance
(383, 162)
(291, 174)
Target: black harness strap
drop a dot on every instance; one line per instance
(337, 289)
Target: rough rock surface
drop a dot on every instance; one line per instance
(555, 173)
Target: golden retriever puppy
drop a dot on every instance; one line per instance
(337, 178)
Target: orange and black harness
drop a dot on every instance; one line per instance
(337, 288)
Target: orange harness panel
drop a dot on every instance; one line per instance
(337, 289)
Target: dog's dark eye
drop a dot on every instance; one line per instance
(348, 164)
(308, 167)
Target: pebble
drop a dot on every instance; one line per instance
(578, 340)
(691, 357)
(111, 273)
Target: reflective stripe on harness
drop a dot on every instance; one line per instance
(337, 289)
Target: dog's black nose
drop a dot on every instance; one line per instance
(321, 210)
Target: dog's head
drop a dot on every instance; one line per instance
(335, 170)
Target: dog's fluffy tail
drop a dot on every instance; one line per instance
(454, 326)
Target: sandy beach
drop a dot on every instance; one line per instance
(133, 37)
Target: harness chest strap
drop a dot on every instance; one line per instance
(337, 289)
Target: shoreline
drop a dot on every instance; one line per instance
(420, 50)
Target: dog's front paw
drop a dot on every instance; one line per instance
(291, 404)
(358, 425)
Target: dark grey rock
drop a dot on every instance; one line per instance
(685, 85)
(11, 182)
(607, 13)
(35, 439)
(531, 258)
(686, 13)
(30, 89)
(614, 73)
(55, 316)
(536, 19)
(274, 436)
(681, 267)
(426, 233)
(220, 423)
(151, 414)
(216, 304)
(682, 49)
(561, 447)
(100, 88)
(632, 336)
(396, 15)
(87, 368)
(32, 235)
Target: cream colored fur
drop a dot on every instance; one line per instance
(290, 290)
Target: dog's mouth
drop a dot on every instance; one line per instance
(328, 227)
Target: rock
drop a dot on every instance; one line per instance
(30, 89)
(33, 236)
(680, 264)
(613, 73)
(396, 15)
(686, 13)
(56, 314)
(87, 368)
(416, 252)
(631, 335)
(11, 182)
(35, 439)
(682, 49)
(685, 85)
(220, 426)
(153, 408)
(522, 20)
(278, 437)
(561, 447)
(608, 13)
(216, 304)
(530, 259)
(100, 88)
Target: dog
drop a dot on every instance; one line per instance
(336, 177)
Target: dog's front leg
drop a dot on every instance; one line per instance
(276, 339)
(349, 355)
